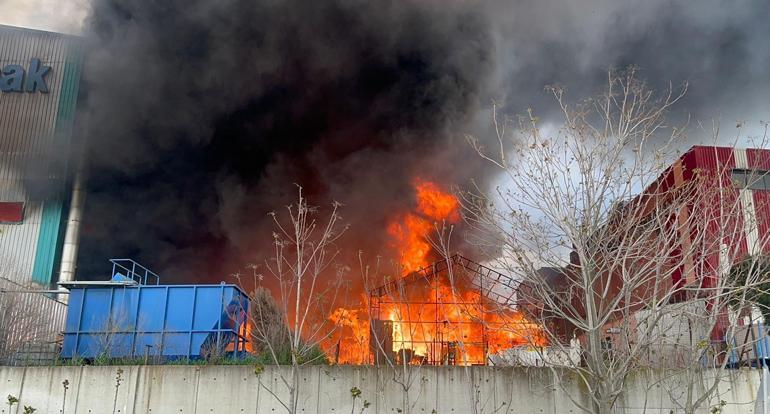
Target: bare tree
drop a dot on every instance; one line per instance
(309, 283)
(609, 244)
(110, 341)
(27, 316)
(503, 325)
(269, 323)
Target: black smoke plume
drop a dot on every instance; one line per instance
(201, 115)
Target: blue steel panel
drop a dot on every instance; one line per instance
(143, 340)
(151, 309)
(123, 312)
(179, 316)
(208, 307)
(176, 344)
(197, 342)
(68, 347)
(96, 309)
(73, 310)
(140, 316)
(119, 345)
(89, 345)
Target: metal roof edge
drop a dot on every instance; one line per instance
(39, 31)
(94, 283)
(109, 283)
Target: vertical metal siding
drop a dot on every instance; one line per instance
(18, 244)
(718, 162)
(713, 161)
(759, 159)
(29, 127)
(51, 236)
(748, 207)
(47, 240)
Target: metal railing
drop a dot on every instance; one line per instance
(750, 346)
(134, 271)
(486, 278)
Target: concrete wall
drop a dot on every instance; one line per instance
(238, 389)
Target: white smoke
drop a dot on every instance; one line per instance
(62, 16)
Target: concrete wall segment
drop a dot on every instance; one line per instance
(326, 389)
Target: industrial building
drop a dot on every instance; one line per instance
(40, 195)
(731, 211)
(712, 206)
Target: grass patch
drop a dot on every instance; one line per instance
(314, 356)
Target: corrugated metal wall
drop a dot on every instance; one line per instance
(35, 135)
(759, 159)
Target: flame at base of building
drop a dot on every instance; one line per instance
(454, 312)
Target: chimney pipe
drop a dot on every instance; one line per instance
(72, 234)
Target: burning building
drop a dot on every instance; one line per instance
(453, 311)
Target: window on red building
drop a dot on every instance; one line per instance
(751, 179)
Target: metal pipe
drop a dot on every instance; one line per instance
(72, 235)
(47, 291)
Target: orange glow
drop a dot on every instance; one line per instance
(410, 230)
(463, 318)
(352, 336)
(436, 322)
(431, 324)
(435, 203)
(245, 332)
(410, 236)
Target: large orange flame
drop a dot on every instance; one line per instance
(438, 319)
(410, 230)
(430, 321)
(350, 343)
(445, 316)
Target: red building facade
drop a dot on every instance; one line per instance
(709, 210)
(733, 208)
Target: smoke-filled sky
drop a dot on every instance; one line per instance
(201, 115)
(63, 16)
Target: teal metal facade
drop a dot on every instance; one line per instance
(51, 236)
(36, 140)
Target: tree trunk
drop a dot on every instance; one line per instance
(604, 407)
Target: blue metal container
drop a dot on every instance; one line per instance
(121, 318)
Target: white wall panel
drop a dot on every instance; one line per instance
(28, 147)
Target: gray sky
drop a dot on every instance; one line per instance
(65, 16)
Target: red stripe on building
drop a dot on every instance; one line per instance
(11, 212)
